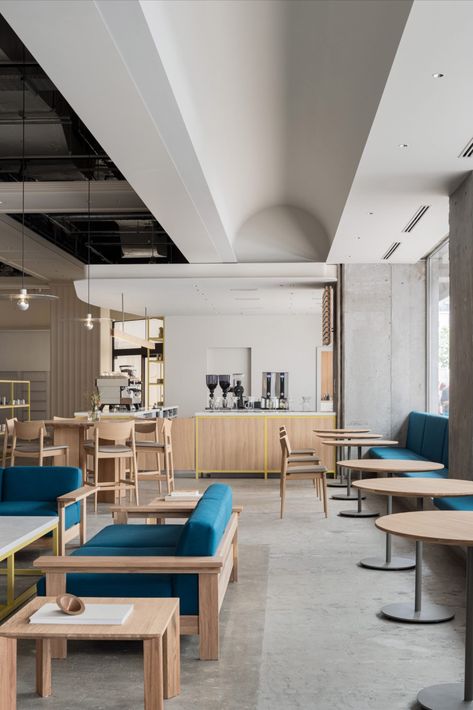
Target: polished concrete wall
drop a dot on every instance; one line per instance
(461, 325)
(383, 344)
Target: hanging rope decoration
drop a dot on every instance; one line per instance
(327, 315)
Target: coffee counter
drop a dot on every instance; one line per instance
(248, 441)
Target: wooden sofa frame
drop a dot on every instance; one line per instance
(80, 495)
(214, 573)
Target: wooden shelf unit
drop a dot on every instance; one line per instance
(155, 381)
(11, 385)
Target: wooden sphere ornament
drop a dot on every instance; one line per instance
(70, 604)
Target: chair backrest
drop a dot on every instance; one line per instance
(283, 436)
(10, 426)
(28, 431)
(118, 432)
(145, 426)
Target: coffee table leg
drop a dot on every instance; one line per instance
(172, 658)
(453, 696)
(348, 495)
(153, 673)
(8, 673)
(43, 667)
(389, 563)
(414, 613)
(358, 512)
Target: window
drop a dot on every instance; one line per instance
(438, 316)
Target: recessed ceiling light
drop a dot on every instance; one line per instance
(370, 212)
(403, 145)
(243, 289)
(438, 75)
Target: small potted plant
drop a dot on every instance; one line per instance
(94, 399)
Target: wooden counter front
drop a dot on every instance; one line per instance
(243, 443)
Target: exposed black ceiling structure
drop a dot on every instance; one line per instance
(59, 147)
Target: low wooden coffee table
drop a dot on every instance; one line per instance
(443, 527)
(419, 488)
(153, 621)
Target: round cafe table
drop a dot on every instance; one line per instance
(389, 467)
(359, 443)
(443, 527)
(420, 488)
(344, 434)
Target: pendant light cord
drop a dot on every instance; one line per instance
(23, 184)
(88, 246)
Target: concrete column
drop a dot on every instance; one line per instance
(383, 345)
(461, 332)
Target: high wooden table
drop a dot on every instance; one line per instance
(444, 528)
(388, 467)
(419, 488)
(155, 622)
(359, 443)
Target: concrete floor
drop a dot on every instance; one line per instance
(301, 629)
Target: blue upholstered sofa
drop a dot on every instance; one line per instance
(46, 490)
(193, 561)
(427, 440)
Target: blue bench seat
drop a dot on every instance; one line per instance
(457, 503)
(200, 536)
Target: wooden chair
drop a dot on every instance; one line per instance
(153, 447)
(7, 438)
(168, 455)
(113, 440)
(29, 441)
(311, 472)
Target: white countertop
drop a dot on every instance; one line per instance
(19, 529)
(260, 413)
(133, 414)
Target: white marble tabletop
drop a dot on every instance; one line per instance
(18, 529)
(260, 413)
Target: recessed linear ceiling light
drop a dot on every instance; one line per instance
(243, 289)
(438, 75)
(247, 298)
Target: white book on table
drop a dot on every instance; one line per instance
(98, 614)
(183, 496)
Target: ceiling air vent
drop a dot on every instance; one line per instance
(414, 221)
(391, 250)
(467, 151)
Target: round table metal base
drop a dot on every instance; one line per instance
(444, 696)
(345, 496)
(396, 564)
(429, 614)
(336, 483)
(358, 513)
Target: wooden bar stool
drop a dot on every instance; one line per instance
(29, 441)
(309, 472)
(168, 455)
(113, 440)
(153, 447)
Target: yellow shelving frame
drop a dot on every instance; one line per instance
(12, 406)
(160, 383)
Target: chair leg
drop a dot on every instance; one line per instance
(135, 472)
(324, 491)
(283, 495)
(67, 456)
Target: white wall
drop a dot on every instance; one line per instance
(278, 343)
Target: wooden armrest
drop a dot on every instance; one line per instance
(75, 496)
(163, 507)
(182, 565)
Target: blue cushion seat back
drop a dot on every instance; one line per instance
(434, 437)
(1, 482)
(391, 452)
(204, 529)
(148, 536)
(415, 431)
(39, 483)
(46, 508)
(457, 503)
(445, 448)
(425, 474)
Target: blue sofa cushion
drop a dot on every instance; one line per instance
(32, 507)
(391, 452)
(415, 431)
(460, 503)
(40, 483)
(434, 437)
(425, 474)
(204, 529)
(164, 536)
(87, 551)
(115, 585)
(1, 482)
